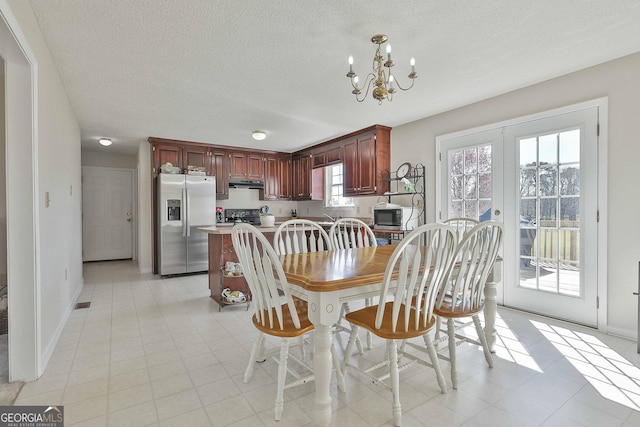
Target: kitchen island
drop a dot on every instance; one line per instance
(220, 252)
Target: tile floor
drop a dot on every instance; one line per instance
(158, 352)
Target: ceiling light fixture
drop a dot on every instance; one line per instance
(384, 81)
(105, 141)
(259, 135)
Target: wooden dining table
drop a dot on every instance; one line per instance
(327, 279)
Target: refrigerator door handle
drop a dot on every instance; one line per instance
(185, 214)
(188, 215)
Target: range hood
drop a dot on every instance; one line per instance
(245, 183)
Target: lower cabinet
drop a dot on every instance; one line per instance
(220, 252)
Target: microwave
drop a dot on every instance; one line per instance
(403, 219)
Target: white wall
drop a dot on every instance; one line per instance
(105, 159)
(616, 79)
(145, 263)
(3, 180)
(58, 250)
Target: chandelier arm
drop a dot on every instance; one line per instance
(368, 82)
(402, 88)
(365, 82)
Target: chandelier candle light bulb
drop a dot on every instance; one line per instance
(383, 81)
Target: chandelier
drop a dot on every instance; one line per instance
(381, 77)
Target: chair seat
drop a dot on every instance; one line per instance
(366, 318)
(289, 330)
(450, 310)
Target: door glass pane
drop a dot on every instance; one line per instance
(528, 180)
(470, 209)
(528, 152)
(470, 161)
(548, 182)
(570, 180)
(570, 146)
(456, 188)
(548, 149)
(484, 159)
(484, 186)
(470, 187)
(550, 213)
(470, 182)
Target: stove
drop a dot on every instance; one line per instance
(251, 216)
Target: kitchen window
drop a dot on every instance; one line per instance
(334, 189)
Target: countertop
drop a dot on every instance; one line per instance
(225, 228)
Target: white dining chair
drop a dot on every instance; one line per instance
(461, 225)
(346, 233)
(412, 279)
(297, 236)
(463, 295)
(276, 312)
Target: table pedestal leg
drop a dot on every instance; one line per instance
(490, 310)
(322, 370)
(324, 310)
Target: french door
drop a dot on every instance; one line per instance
(540, 178)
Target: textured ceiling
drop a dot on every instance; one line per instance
(213, 71)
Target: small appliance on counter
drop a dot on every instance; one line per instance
(394, 217)
(251, 216)
(219, 215)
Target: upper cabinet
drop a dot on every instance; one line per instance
(277, 177)
(246, 165)
(196, 156)
(182, 154)
(220, 169)
(165, 153)
(327, 154)
(366, 157)
(301, 176)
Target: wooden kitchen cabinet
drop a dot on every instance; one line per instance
(277, 177)
(284, 176)
(196, 156)
(220, 169)
(270, 191)
(246, 165)
(306, 183)
(327, 155)
(301, 176)
(166, 153)
(180, 155)
(366, 160)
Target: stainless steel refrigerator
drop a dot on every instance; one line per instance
(185, 202)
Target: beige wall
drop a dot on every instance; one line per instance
(618, 80)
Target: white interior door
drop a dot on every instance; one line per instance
(107, 213)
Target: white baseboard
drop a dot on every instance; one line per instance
(48, 352)
(622, 332)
